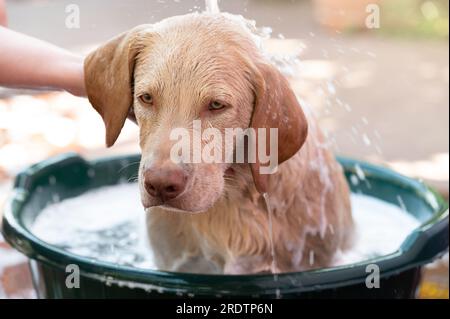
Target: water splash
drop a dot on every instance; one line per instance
(286, 64)
(291, 65)
(273, 267)
(212, 6)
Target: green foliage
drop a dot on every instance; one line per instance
(415, 18)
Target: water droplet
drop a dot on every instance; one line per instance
(402, 203)
(331, 88)
(52, 180)
(360, 172)
(354, 180)
(366, 140)
(311, 257)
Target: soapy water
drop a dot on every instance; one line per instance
(108, 224)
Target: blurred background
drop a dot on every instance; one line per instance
(379, 84)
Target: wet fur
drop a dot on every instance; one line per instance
(220, 224)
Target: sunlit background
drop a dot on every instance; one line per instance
(381, 94)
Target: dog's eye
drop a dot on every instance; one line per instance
(146, 98)
(216, 105)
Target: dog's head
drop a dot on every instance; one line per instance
(190, 74)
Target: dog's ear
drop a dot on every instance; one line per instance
(276, 106)
(108, 73)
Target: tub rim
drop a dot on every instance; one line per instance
(416, 250)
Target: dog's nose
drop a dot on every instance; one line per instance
(165, 183)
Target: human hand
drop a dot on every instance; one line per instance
(31, 63)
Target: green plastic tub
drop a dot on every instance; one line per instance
(69, 175)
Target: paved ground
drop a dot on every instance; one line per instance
(382, 99)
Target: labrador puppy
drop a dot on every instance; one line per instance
(212, 217)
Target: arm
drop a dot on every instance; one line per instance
(32, 63)
(3, 19)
